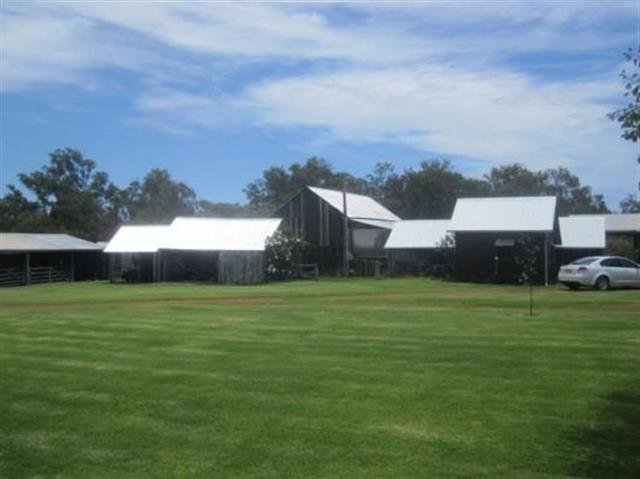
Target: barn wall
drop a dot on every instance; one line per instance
(241, 267)
(478, 258)
(413, 262)
(322, 228)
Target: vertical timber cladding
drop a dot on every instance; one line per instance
(241, 267)
(489, 256)
(320, 226)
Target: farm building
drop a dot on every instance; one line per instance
(317, 215)
(418, 246)
(622, 232)
(134, 252)
(487, 231)
(27, 258)
(202, 249)
(580, 236)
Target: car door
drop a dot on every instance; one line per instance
(629, 272)
(610, 266)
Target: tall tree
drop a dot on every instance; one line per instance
(278, 184)
(573, 197)
(629, 115)
(630, 205)
(430, 191)
(229, 210)
(158, 198)
(70, 196)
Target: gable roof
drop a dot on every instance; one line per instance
(508, 214)
(137, 239)
(582, 232)
(359, 207)
(618, 223)
(19, 242)
(220, 234)
(417, 234)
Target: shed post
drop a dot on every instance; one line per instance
(27, 268)
(72, 267)
(112, 266)
(345, 258)
(154, 267)
(546, 259)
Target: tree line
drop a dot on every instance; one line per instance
(70, 195)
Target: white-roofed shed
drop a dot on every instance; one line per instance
(509, 214)
(582, 232)
(418, 234)
(23, 242)
(137, 239)
(359, 207)
(27, 258)
(219, 234)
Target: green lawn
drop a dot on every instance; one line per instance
(360, 378)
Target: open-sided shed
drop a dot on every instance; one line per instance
(487, 230)
(134, 252)
(414, 246)
(27, 258)
(622, 232)
(580, 236)
(317, 215)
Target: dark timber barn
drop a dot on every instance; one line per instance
(418, 247)
(27, 258)
(316, 214)
(487, 231)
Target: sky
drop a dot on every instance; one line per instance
(216, 92)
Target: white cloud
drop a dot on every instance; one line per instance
(496, 115)
(432, 75)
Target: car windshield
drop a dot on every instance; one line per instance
(588, 260)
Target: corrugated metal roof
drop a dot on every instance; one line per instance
(358, 206)
(44, 242)
(137, 239)
(377, 223)
(524, 213)
(417, 234)
(582, 232)
(220, 234)
(619, 223)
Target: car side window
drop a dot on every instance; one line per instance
(609, 262)
(626, 264)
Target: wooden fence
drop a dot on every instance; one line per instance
(38, 274)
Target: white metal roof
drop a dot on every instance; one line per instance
(619, 223)
(582, 232)
(137, 239)
(23, 242)
(523, 213)
(377, 223)
(220, 234)
(358, 206)
(417, 234)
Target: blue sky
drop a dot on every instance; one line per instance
(216, 92)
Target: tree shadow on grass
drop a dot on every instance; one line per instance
(610, 446)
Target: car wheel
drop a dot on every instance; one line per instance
(602, 283)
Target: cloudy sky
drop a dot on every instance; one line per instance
(216, 92)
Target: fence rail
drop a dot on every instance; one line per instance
(12, 276)
(39, 274)
(48, 274)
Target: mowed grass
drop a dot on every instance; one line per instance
(336, 378)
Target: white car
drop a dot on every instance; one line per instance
(600, 272)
